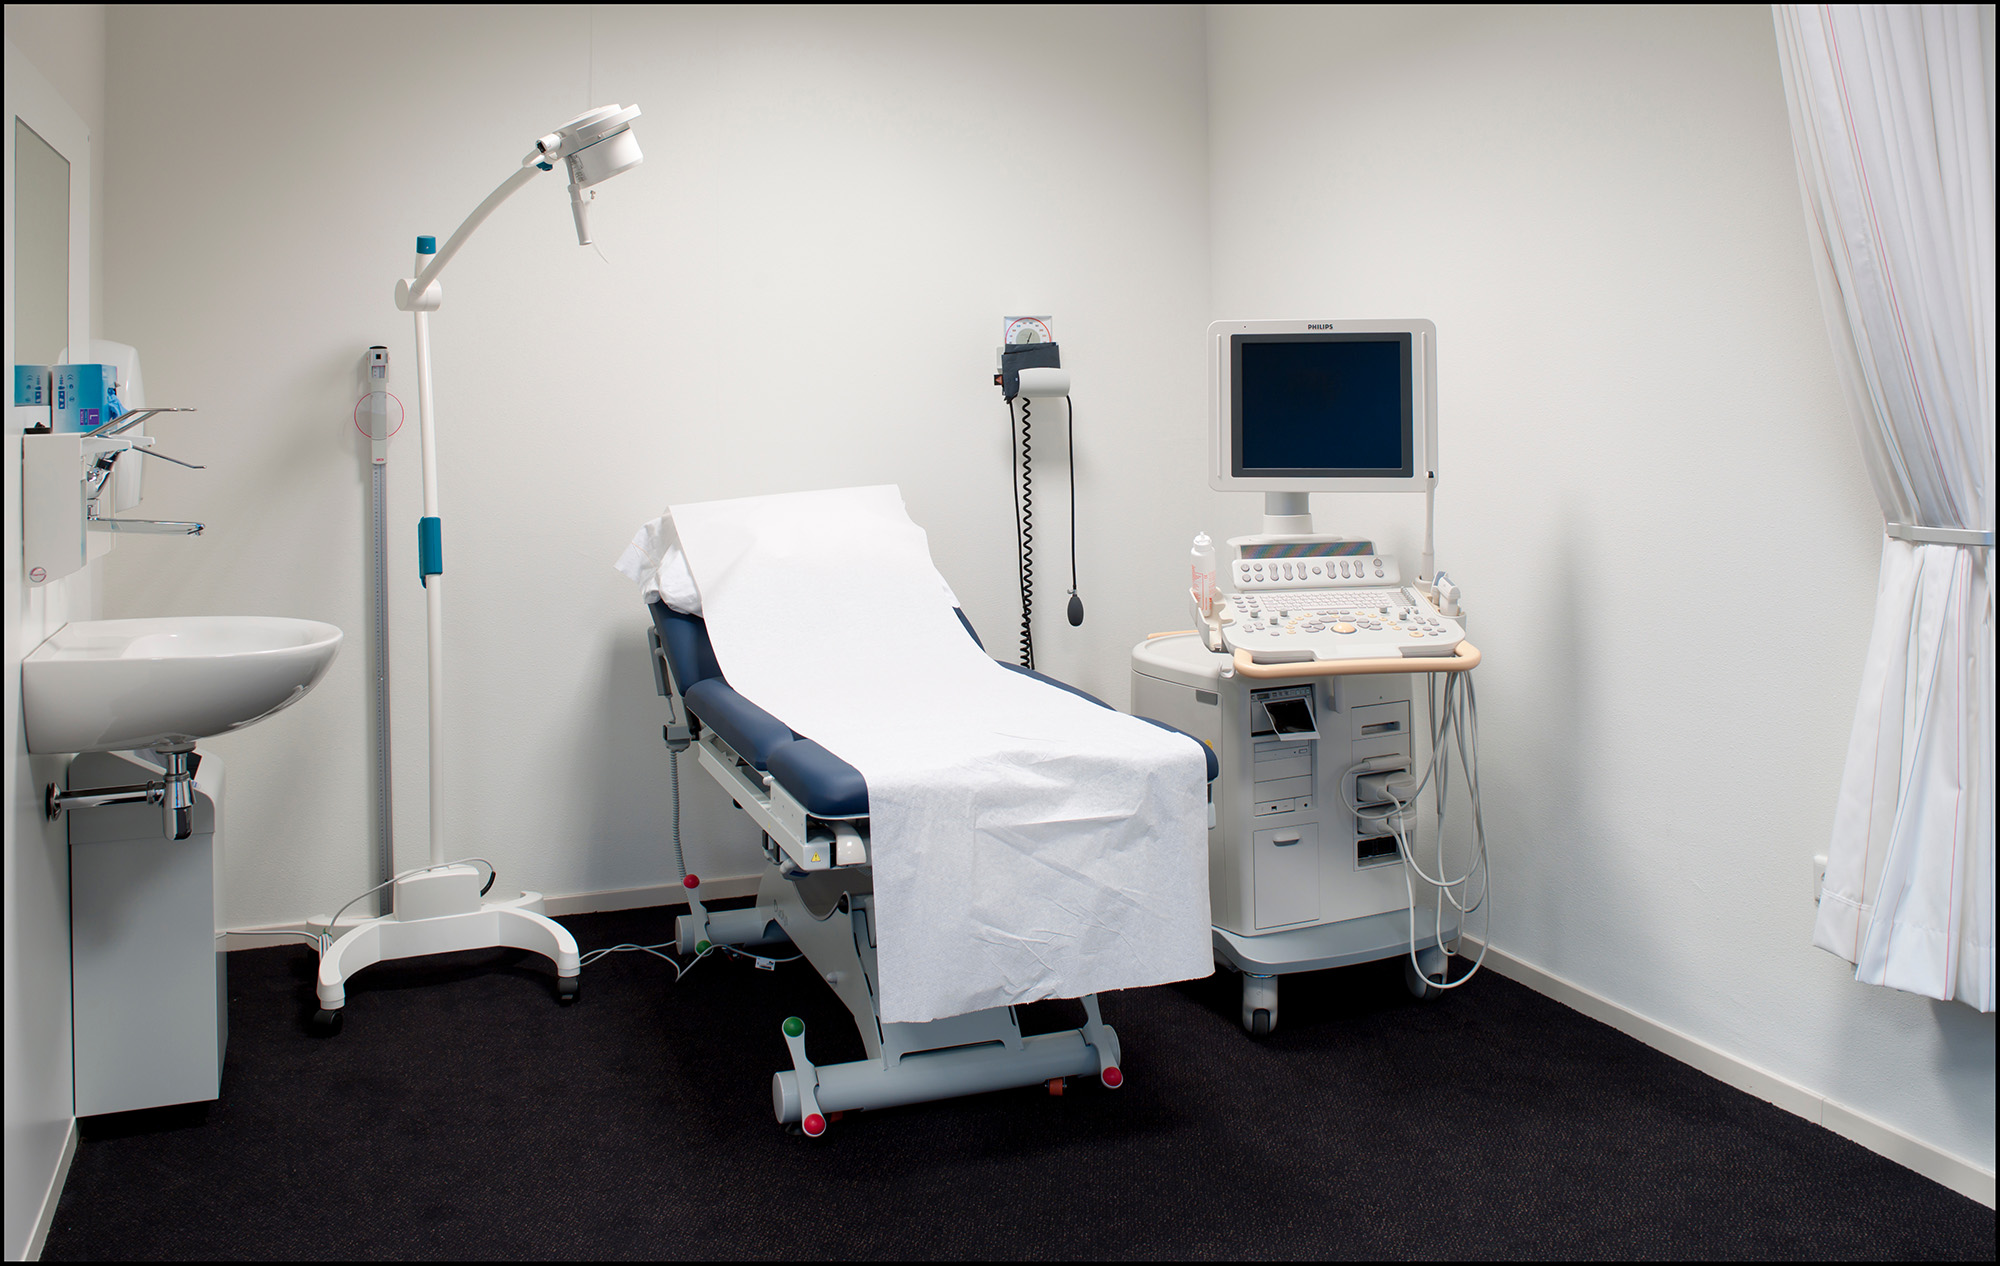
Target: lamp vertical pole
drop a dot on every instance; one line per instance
(430, 565)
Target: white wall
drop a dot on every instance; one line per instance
(65, 45)
(800, 288)
(1650, 490)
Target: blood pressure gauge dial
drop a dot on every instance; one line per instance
(1028, 329)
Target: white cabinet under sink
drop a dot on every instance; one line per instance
(148, 973)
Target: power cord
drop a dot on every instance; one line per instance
(1456, 724)
(680, 970)
(674, 782)
(324, 939)
(309, 938)
(680, 864)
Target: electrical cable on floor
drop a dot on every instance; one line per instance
(680, 969)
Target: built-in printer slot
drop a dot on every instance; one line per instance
(1286, 712)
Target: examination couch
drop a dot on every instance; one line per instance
(817, 894)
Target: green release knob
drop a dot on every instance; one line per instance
(702, 947)
(794, 1026)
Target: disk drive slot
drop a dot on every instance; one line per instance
(1381, 727)
(1282, 760)
(1283, 777)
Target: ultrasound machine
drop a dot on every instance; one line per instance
(1327, 842)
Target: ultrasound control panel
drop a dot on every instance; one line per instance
(1297, 599)
(1299, 626)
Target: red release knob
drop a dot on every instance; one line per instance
(815, 1125)
(1112, 1077)
(691, 882)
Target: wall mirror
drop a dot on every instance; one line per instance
(41, 248)
(48, 213)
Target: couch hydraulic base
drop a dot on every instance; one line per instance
(832, 925)
(928, 1075)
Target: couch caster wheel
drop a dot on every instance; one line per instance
(1420, 988)
(566, 989)
(327, 1023)
(1260, 1023)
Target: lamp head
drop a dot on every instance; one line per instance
(595, 146)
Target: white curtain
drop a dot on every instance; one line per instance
(1893, 127)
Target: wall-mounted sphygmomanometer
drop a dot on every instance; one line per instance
(1030, 368)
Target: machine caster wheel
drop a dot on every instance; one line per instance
(1420, 988)
(1260, 1004)
(327, 1023)
(566, 989)
(1055, 1086)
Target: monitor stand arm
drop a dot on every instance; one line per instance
(1288, 514)
(1427, 565)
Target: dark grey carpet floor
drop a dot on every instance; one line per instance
(463, 1115)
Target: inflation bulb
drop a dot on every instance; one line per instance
(1075, 610)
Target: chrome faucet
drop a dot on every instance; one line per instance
(99, 478)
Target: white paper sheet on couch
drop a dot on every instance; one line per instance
(1026, 843)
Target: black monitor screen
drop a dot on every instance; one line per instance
(1320, 405)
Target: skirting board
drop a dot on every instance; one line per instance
(575, 903)
(1934, 1163)
(46, 1217)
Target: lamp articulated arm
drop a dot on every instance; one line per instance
(594, 146)
(411, 293)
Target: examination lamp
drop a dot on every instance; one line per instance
(595, 147)
(439, 907)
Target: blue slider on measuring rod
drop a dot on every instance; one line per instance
(430, 549)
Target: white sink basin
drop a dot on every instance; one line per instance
(112, 685)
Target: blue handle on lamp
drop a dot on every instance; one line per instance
(430, 549)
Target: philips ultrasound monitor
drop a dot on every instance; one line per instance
(1322, 406)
